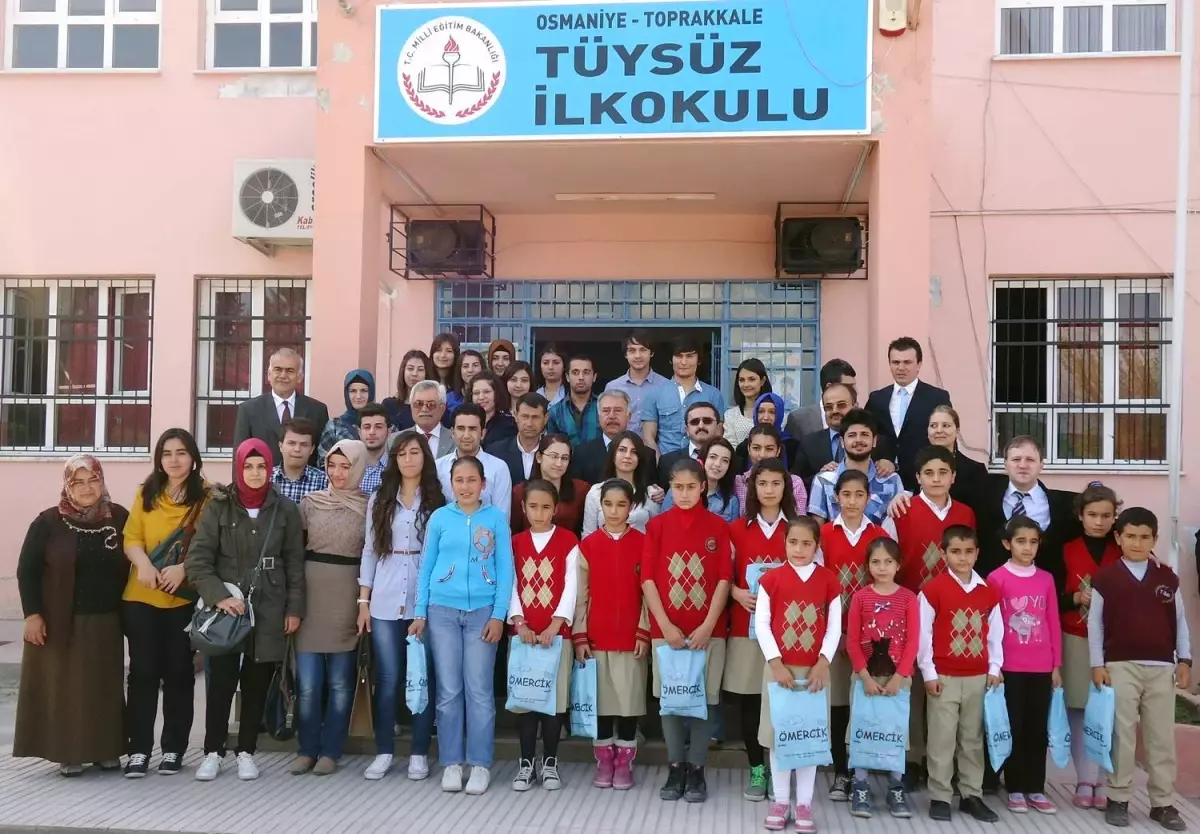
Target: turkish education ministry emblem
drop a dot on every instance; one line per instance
(452, 70)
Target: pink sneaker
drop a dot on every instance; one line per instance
(622, 779)
(777, 817)
(1083, 795)
(804, 820)
(1017, 803)
(1042, 804)
(604, 766)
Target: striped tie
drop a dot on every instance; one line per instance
(1019, 507)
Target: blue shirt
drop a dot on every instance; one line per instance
(715, 504)
(373, 477)
(497, 490)
(664, 407)
(312, 480)
(822, 501)
(467, 562)
(637, 393)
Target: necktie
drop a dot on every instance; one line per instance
(287, 413)
(1019, 507)
(839, 451)
(428, 436)
(902, 409)
(697, 456)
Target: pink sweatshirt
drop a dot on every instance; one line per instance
(1029, 609)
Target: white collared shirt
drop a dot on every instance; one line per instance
(279, 401)
(607, 440)
(889, 523)
(497, 490)
(1037, 504)
(894, 405)
(527, 457)
(853, 536)
(769, 527)
(995, 633)
(762, 620)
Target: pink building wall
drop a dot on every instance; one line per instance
(147, 163)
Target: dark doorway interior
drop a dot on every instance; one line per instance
(603, 345)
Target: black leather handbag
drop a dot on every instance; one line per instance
(279, 717)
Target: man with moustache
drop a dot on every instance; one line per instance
(702, 422)
(859, 435)
(822, 449)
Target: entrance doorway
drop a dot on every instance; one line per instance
(604, 346)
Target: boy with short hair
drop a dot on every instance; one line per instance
(960, 654)
(1139, 644)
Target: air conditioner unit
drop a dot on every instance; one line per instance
(820, 246)
(437, 247)
(274, 202)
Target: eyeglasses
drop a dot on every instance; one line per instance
(425, 405)
(701, 421)
(555, 457)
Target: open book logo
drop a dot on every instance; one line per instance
(452, 70)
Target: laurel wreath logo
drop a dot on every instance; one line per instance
(418, 102)
(483, 102)
(433, 112)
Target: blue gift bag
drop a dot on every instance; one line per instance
(682, 675)
(533, 676)
(879, 729)
(583, 698)
(800, 720)
(755, 571)
(996, 726)
(1098, 718)
(1059, 729)
(416, 677)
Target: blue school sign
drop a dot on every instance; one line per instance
(534, 70)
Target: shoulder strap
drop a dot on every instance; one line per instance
(262, 553)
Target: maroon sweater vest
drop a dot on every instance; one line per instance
(1139, 617)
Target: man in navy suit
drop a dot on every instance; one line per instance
(903, 408)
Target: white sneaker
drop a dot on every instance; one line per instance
(209, 767)
(418, 768)
(478, 783)
(550, 780)
(247, 769)
(379, 767)
(452, 779)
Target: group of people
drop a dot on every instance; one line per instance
(840, 548)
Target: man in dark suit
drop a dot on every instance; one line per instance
(824, 446)
(903, 408)
(263, 416)
(702, 424)
(809, 418)
(587, 461)
(532, 413)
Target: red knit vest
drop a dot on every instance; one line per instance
(1080, 569)
(919, 534)
(541, 577)
(686, 555)
(615, 602)
(751, 546)
(848, 562)
(799, 611)
(960, 626)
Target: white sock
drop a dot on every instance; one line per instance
(1086, 770)
(781, 782)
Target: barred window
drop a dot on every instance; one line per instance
(240, 323)
(1080, 365)
(75, 354)
(82, 34)
(1049, 27)
(248, 34)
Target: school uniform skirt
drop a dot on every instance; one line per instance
(620, 684)
(1076, 670)
(743, 666)
(766, 728)
(562, 686)
(714, 668)
(840, 674)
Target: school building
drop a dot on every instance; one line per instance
(795, 180)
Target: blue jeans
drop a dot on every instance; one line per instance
(323, 726)
(463, 666)
(388, 642)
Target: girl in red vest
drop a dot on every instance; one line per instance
(798, 623)
(758, 538)
(844, 552)
(1083, 557)
(612, 626)
(546, 560)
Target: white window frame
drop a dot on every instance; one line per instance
(206, 394)
(264, 18)
(59, 17)
(1106, 25)
(1110, 401)
(105, 342)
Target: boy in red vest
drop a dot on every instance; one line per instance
(960, 655)
(1139, 644)
(919, 532)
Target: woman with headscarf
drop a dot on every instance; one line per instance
(769, 411)
(70, 575)
(334, 522)
(249, 538)
(358, 390)
(500, 354)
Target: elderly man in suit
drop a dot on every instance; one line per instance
(532, 412)
(810, 418)
(903, 408)
(614, 408)
(264, 415)
(428, 402)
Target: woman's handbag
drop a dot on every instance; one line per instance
(216, 632)
(279, 716)
(362, 723)
(172, 550)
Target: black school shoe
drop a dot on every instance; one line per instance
(696, 788)
(1117, 814)
(676, 784)
(939, 810)
(137, 766)
(974, 807)
(1168, 818)
(170, 764)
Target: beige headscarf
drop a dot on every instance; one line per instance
(351, 497)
